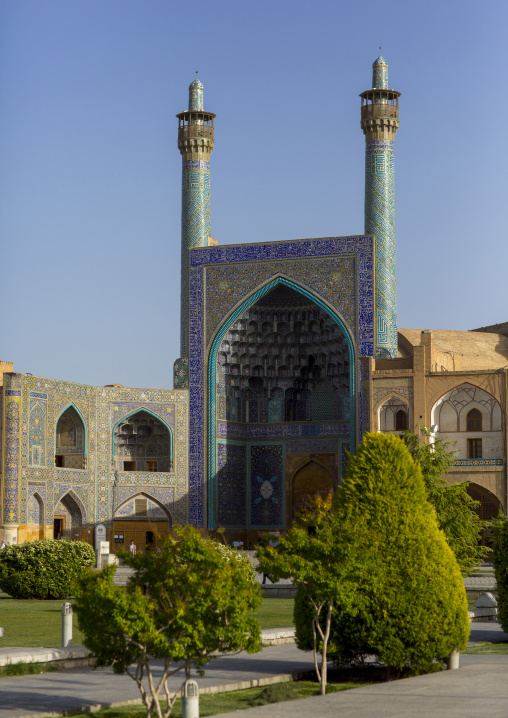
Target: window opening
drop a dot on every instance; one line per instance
(140, 507)
(474, 448)
(401, 420)
(474, 420)
(129, 466)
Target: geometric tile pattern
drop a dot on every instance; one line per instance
(37, 431)
(333, 278)
(164, 497)
(308, 446)
(196, 228)
(99, 410)
(267, 486)
(380, 74)
(380, 220)
(231, 484)
(404, 391)
(246, 432)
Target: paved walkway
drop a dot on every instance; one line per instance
(478, 688)
(79, 688)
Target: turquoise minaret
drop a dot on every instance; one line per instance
(380, 122)
(195, 142)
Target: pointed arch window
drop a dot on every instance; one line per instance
(474, 420)
(70, 444)
(142, 442)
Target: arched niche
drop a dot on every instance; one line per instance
(489, 505)
(70, 440)
(474, 441)
(37, 435)
(280, 355)
(394, 415)
(68, 517)
(299, 369)
(141, 518)
(309, 482)
(35, 517)
(143, 507)
(142, 442)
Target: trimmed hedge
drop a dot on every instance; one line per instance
(414, 607)
(500, 560)
(43, 569)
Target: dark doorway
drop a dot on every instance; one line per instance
(150, 540)
(58, 527)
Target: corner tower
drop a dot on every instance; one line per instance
(380, 122)
(195, 142)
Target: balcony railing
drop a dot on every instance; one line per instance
(192, 131)
(478, 462)
(379, 110)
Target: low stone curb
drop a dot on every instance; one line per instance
(210, 690)
(58, 657)
(63, 658)
(277, 636)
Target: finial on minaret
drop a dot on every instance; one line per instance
(196, 95)
(380, 73)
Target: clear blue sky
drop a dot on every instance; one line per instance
(90, 170)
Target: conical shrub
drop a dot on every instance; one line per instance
(415, 608)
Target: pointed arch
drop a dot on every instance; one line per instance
(35, 516)
(75, 499)
(393, 400)
(489, 410)
(490, 505)
(70, 438)
(155, 416)
(143, 449)
(144, 494)
(68, 406)
(211, 359)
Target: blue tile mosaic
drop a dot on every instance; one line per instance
(267, 486)
(255, 267)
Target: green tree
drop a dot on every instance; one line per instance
(415, 609)
(500, 558)
(43, 569)
(182, 604)
(326, 564)
(455, 509)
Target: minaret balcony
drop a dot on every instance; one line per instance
(379, 110)
(188, 132)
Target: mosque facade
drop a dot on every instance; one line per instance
(289, 353)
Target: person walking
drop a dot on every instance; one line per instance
(132, 548)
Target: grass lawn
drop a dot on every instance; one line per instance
(499, 648)
(33, 623)
(276, 613)
(210, 705)
(39, 623)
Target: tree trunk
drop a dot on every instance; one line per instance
(324, 665)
